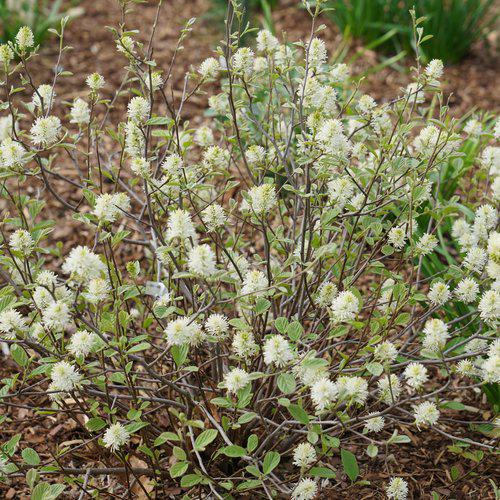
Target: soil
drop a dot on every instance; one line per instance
(427, 461)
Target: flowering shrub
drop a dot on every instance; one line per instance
(275, 312)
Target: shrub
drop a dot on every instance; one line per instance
(251, 301)
(455, 25)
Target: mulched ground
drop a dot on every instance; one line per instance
(426, 463)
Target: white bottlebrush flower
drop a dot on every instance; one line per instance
(65, 377)
(425, 414)
(22, 242)
(426, 244)
(56, 316)
(141, 167)
(277, 350)
(310, 370)
(201, 261)
(116, 436)
(11, 322)
(385, 352)
(490, 369)
(134, 140)
(466, 368)
(339, 73)
(439, 293)
(326, 293)
(24, 38)
(244, 345)
(97, 290)
(323, 393)
(95, 82)
(46, 278)
(44, 95)
(397, 489)
(386, 302)
(204, 137)
(345, 306)
(80, 112)
(209, 68)
(340, 191)
(6, 54)
(397, 237)
(46, 130)
(304, 454)
(12, 154)
(473, 127)
(266, 41)
(434, 71)
(6, 127)
(172, 164)
(42, 297)
(83, 265)
(214, 217)
(109, 207)
(416, 375)
(306, 489)
(489, 306)
(467, 290)
(352, 390)
(180, 227)
(475, 259)
(235, 380)
(435, 335)
(242, 61)
(389, 389)
(138, 109)
(374, 424)
(255, 155)
(81, 343)
(184, 331)
(217, 325)
(262, 199)
(366, 105)
(494, 246)
(317, 53)
(254, 283)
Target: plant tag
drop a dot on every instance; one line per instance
(155, 288)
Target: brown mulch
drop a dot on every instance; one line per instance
(426, 462)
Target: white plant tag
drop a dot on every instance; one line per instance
(155, 289)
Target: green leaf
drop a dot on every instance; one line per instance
(252, 442)
(375, 369)
(19, 355)
(46, 491)
(135, 426)
(164, 437)
(179, 353)
(233, 451)
(286, 383)
(30, 456)
(204, 439)
(95, 424)
(262, 305)
(372, 450)
(281, 324)
(178, 469)
(139, 347)
(271, 461)
(350, 464)
(298, 413)
(323, 472)
(190, 480)
(294, 330)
